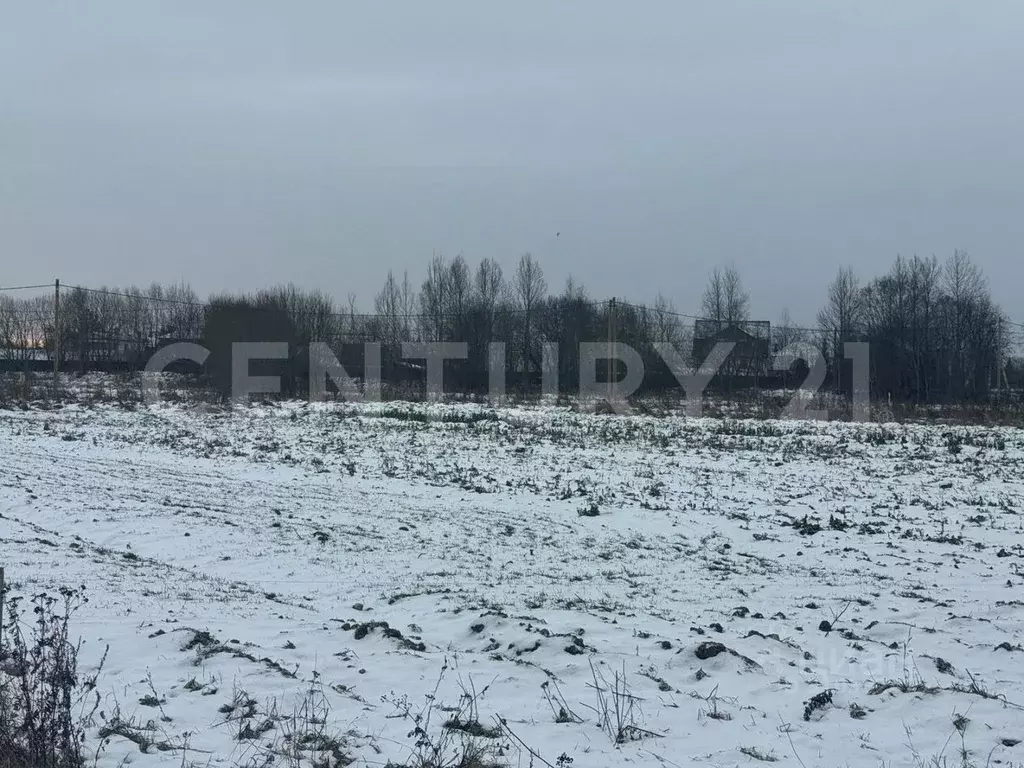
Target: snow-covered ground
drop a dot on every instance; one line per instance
(236, 561)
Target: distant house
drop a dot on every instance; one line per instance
(751, 355)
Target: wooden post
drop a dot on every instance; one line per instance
(613, 368)
(615, 350)
(56, 335)
(608, 360)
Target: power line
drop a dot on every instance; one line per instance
(158, 299)
(25, 287)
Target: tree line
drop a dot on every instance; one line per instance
(934, 332)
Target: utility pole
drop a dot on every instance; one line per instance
(836, 377)
(56, 335)
(612, 367)
(1002, 354)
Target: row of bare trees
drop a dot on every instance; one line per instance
(26, 327)
(457, 302)
(97, 326)
(934, 331)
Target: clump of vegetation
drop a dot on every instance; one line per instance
(300, 738)
(361, 631)
(207, 646)
(619, 711)
(45, 705)
(712, 711)
(807, 526)
(817, 702)
(461, 741)
(559, 706)
(903, 685)
(756, 754)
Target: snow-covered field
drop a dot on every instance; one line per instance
(679, 570)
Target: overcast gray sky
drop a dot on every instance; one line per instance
(239, 143)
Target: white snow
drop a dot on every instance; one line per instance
(460, 527)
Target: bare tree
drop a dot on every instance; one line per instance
(737, 300)
(530, 285)
(724, 299)
(354, 325)
(965, 289)
(489, 284)
(785, 333)
(460, 289)
(388, 306)
(530, 289)
(842, 314)
(407, 306)
(16, 341)
(667, 328)
(489, 292)
(713, 302)
(434, 299)
(962, 280)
